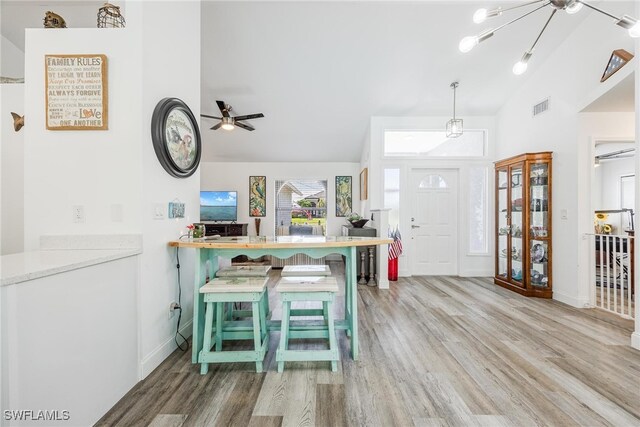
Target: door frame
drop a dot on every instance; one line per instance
(411, 170)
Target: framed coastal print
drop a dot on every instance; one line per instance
(343, 195)
(363, 184)
(176, 137)
(257, 196)
(76, 92)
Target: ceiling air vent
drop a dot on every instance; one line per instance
(541, 107)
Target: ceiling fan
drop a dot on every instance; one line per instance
(227, 122)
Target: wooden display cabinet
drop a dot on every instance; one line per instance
(523, 224)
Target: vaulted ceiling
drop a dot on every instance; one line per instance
(320, 70)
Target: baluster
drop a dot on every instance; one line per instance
(362, 280)
(372, 268)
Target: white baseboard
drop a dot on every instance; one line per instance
(635, 340)
(157, 356)
(570, 300)
(476, 273)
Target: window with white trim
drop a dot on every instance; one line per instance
(434, 143)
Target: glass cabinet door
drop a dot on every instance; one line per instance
(503, 224)
(517, 213)
(539, 225)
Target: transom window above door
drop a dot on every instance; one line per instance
(434, 143)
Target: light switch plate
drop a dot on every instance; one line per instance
(564, 214)
(158, 211)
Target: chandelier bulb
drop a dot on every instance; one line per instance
(468, 43)
(635, 30)
(480, 16)
(519, 68)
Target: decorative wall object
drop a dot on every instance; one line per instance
(618, 59)
(76, 92)
(343, 195)
(176, 137)
(176, 209)
(257, 221)
(109, 16)
(18, 121)
(53, 20)
(363, 184)
(257, 196)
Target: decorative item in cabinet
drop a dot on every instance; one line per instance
(523, 224)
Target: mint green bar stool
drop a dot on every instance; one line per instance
(308, 289)
(244, 271)
(216, 294)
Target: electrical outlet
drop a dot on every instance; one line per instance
(77, 214)
(172, 309)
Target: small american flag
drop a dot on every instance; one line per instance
(395, 248)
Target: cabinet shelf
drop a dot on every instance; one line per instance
(517, 204)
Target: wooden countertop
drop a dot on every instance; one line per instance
(279, 242)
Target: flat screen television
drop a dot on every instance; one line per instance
(218, 206)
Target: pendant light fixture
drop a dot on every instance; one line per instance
(570, 6)
(454, 126)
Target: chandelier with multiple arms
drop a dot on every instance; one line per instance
(570, 6)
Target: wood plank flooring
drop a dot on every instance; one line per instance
(434, 351)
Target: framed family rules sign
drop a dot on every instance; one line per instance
(76, 92)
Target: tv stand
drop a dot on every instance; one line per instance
(225, 229)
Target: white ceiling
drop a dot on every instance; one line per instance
(619, 99)
(320, 70)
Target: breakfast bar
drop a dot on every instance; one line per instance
(209, 249)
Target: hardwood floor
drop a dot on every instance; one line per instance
(434, 351)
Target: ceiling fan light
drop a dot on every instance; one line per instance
(574, 7)
(227, 123)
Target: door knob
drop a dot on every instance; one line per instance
(415, 226)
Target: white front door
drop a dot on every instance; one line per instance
(434, 221)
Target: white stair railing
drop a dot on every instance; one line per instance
(612, 275)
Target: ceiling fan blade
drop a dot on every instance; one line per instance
(223, 108)
(244, 126)
(216, 127)
(249, 116)
(210, 117)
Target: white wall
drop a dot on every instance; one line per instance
(170, 68)
(11, 59)
(580, 60)
(235, 176)
(70, 341)
(118, 167)
(94, 169)
(468, 265)
(12, 169)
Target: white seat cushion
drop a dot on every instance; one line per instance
(306, 270)
(236, 284)
(307, 284)
(244, 271)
